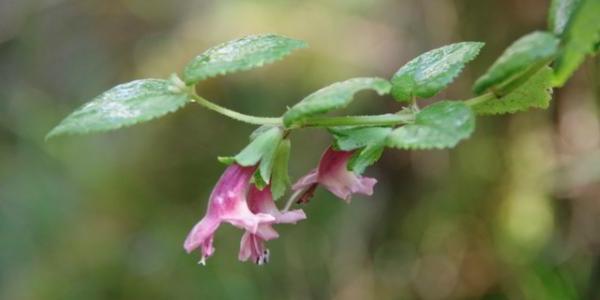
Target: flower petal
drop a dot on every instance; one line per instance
(202, 235)
(335, 176)
(253, 247)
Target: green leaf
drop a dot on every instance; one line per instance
(280, 179)
(239, 55)
(432, 71)
(367, 156)
(262, 145)
(124, 105)
(440, 125)
(350, 138)
(370, 139)
(580, 37)
(226, 160)
(527, 52)
(560, 13)
(534, 93)
(261, 149)
(260, 130)
(259, 182)
(266, 162)
(335, 96)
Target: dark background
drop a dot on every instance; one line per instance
(512, 213)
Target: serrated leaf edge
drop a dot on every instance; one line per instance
(284, 53)
(55, 133)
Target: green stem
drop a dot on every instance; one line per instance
(319, 121)
(234, 114)
(292, 199)
(480, 99)
(374, 120)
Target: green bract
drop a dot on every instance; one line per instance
(527, 52)
(261, 149)
(432, 71)
(367, 156)
(280, 179)
(440, 125)
(535, 92)
(124, 105)
(238, 55)
(560, 13)
(370, 139)
(335, 96)
(580, 37)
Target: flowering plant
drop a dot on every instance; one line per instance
(521, 78)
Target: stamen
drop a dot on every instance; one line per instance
(266, 256)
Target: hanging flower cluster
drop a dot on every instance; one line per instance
(238, 201)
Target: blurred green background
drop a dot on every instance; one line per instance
(512, 213)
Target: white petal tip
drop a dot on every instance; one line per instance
(202, 261)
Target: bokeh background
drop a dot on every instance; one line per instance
(512, 213)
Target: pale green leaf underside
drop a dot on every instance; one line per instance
(429, 73)
(262, 146)
(260, 150)
(440, 125)
(238, 55)
(534, 93)
(266, 162)
(335, 96)
(560, 13)
(524, 53)
(123, 105)
(280, 179)
(580, 38)
(260, 130)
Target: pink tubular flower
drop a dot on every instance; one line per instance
(227, 203)
(252, 245)
(334, 175)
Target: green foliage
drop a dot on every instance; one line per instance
(261, 149)
(350, 138)
(440, 125)
(534, 93)
(259, 131)
(527, 52)
(365, 157)
(432, 71)
(259, 182)
(266, 162)
(280, 179)
(124, 105)
(239, 55)
(580, 37)
(334, 96)
(560, 13)
(371, 140)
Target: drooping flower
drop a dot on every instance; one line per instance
(227, 203)
(334, 175)
(252, 245)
